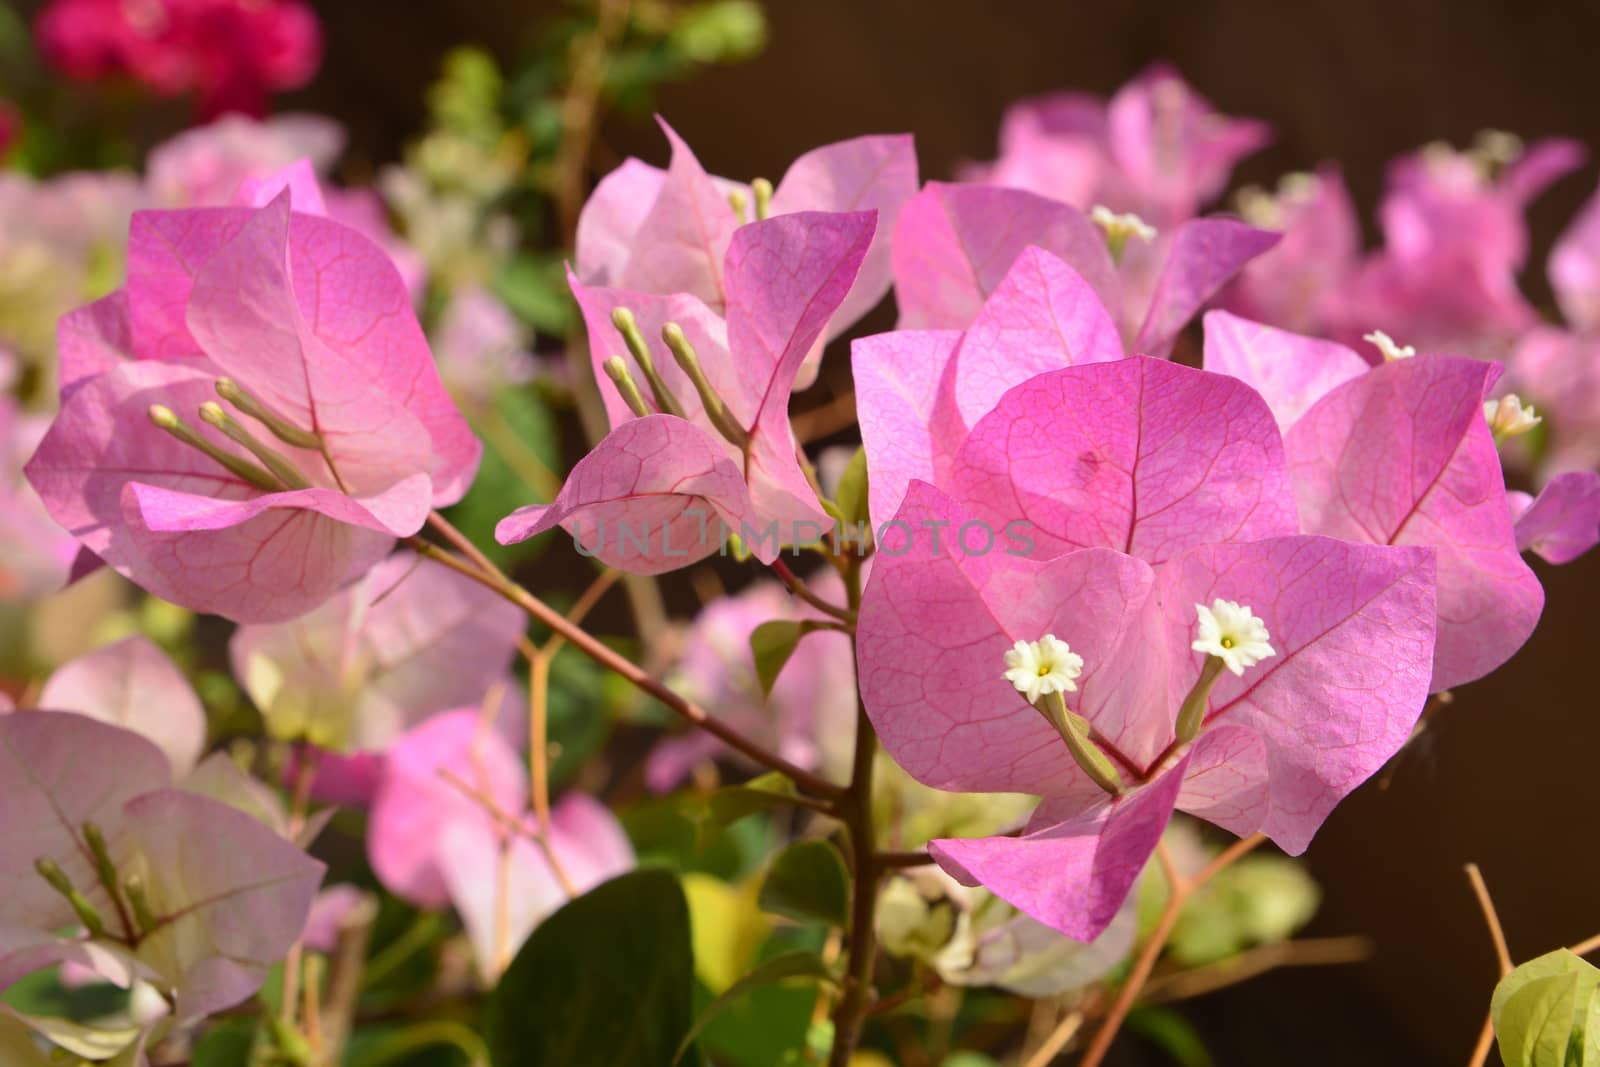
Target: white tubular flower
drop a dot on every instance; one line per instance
(1510, 417)
(1386, 345)
(1047, 665)
(1119, 228)
(1231, 633)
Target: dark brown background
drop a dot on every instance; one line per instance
(1506, 778)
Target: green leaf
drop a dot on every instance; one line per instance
(779, 968)
(732, 803)
(536, 289)
(851, 497)
(1171, 1033)
(521, 450)
(1547, 1013)
(807, 882)
(772, 643)
(607, 980)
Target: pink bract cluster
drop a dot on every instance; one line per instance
(232, 53)
(251, 422)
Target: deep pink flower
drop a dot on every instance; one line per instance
(667, 480)
(1455, 239)
(954, 243)
(669, 231)
(1559, 369)
(434, 839)
(227, 895)
(808, 718)
(1156, 148)
(233, 53)
(10, 129)
(311, 321)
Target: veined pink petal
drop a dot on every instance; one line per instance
(353, 307)
(648, 499)
(940, 612)
(1139, 455)
(679, 245)
(1290, 372)
(1352, 630)
(275, 565)
(1041, 317)
(1200, 257)
(1402, 455)
(92, 339)
(229, 896)
(1073, 868)
(785, 278)
(134, 685)
(245, 314)
(1563, 521)
(1227, 781)
(954, 243)
(610, 220)
(42, 791)
(874, 173)
(103, 442)
(909, 434)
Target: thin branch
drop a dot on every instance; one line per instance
(345, 977)
(1480, 1051)
(608, 658)
(1311, 952)
(510, 825)
(1501, 952)
(1064, 1032)
(896, 860)
(1181, 889)
(855, 808)
(804, 592)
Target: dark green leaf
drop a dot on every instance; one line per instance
(779, 968)
(1172, 1033)
(605, 981)
(807, 882)
(772, 643)
(520, 453)
(729, 805)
